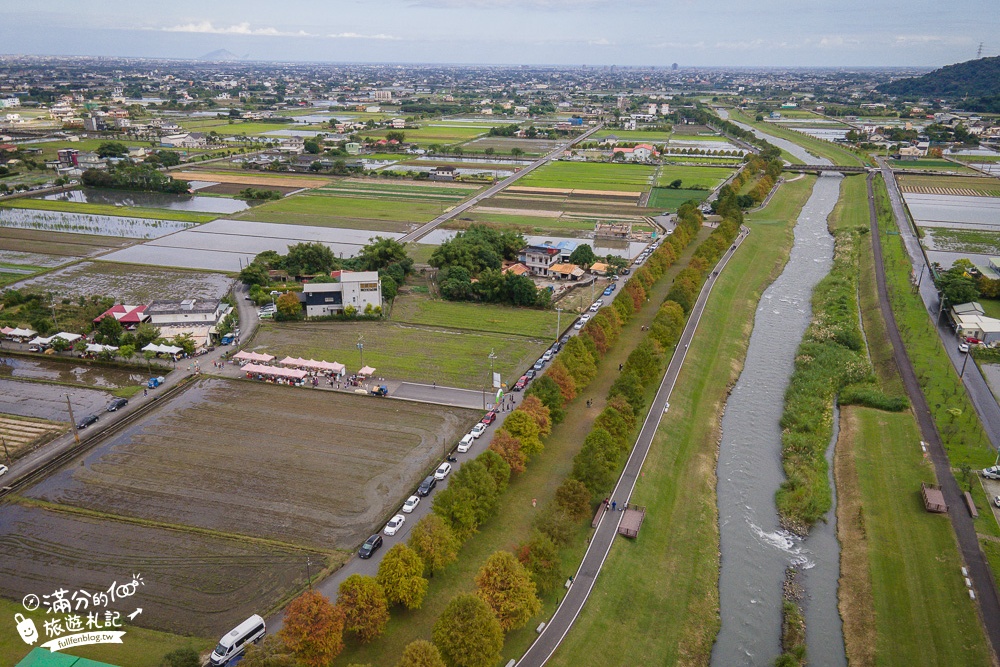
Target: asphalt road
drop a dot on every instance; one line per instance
(975, 384)
(423, 230)
(982, 579)
(600, 544)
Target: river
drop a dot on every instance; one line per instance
(755, 550)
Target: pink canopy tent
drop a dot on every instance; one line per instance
(289, 373)
(312, 364)
(253, 356)
(367, 370)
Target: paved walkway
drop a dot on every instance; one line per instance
(600, 544)
(425, 229)
(965, 531)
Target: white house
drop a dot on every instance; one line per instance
(192, 316)
(354, 288)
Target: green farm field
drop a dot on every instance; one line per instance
(658, 596)
(318, 209)
(434, 133)
(670, 199)
(409, 352)
(421, 309)
(633, 135)
(932, 183)
(590, 176)
(705, 177)
(104, 209)
(932, 164)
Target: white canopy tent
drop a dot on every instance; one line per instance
(165, 349)
(94, 348)
(21, 333)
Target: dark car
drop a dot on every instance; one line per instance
(530, 374)
(564, 340)
(370, 546)
(87, 421)
(490, 417)
(520, 384)
(427, 486)
(626, 271)
(556, 347)
(117, 404)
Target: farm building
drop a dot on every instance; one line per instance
(192, 316)
(971, 322)
(129, 316)
(539, 258)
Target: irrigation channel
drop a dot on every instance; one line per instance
(755, 550)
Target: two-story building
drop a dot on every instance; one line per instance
(353, 288)
(539, 258)
(195, 317)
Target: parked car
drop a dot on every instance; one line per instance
(539, 365)
(443, 471)
(993, 472)
(609, 289)
(963, 347)
(996, 501)
(547, 357)
(478, 430)
(426, 486)
(521, 383)
(556, 346)
(579, 324)
(395, 523)
(411, 504)
(371, 545)
(466, 443)
(87, 421)
(530, 374)
(596, 306)
(3, 470)
(490, 417)
(626, 271)
(564, 340)
(34, 348)
(117, 404)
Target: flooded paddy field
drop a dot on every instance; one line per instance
(226, 245)
(86, 374)
(314, 469)
(150, 200)
(128, 283)
(956, 211)
(193, 583)
(46, 401)
(61, 246)
(88, 223)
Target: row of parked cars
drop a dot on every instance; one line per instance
(396, 523)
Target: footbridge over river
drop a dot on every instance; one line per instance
(809, 168)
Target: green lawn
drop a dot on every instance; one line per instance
(105, 209)
(140, 647)
(419, 309)
(314, 209)
(705, 177)
(657, 596)
(590, 176)
(931, 164)
(670, 199)
(411, 352)
(913, 558)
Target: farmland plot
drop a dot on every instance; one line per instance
(312, 469)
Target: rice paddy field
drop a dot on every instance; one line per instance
(108, 210)
(251, 178)
(435, 133)
(591, 176)
(931, 164)
(504, 145)
(693, 177)
(320, 209)
(670, 199)
(971, 186)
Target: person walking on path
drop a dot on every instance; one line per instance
(613, 503)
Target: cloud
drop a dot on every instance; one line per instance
(603, 41)
(545, 5)
(207, 28)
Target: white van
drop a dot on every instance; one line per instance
(235, 642)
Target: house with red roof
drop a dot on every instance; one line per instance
(129, 316)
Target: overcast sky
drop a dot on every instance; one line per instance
(563, 32)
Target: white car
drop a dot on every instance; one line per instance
(996, 501)
(411, 504)
(993, 472)
(395, 523)
(3, 470)
(443, 471)
(963, 347)
(466, 443)
(478, 430)
(596, 306)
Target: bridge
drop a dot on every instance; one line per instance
(827, 167)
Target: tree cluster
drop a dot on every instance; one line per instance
(141, 177)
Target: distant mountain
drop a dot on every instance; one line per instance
(220, 55)
(975, 78)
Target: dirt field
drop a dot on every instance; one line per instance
(308, 468)
(46, 401)
(62, 244)
(128, 283)
(193, 583)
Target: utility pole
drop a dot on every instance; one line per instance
(72, 421)
(962, 374)
(5, 452)
(558, 318)
(308, 572)
(940, 307)
(361, 349)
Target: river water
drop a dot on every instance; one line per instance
(755, 550)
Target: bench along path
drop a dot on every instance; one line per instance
(608, 523)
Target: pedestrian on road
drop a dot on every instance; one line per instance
(435, 384)
(145, 392)
(605, 504)
(613, 503)
(621, 366)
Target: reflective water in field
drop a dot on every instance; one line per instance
(151, 200)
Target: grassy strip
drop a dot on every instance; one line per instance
(820, 147)
(909, 556)
(328, 205)
(962, 432)
(477, 317)
(105, 209)
(657, 596)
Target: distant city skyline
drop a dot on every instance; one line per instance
(849, 33)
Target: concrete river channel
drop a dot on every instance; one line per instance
(755, 550)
